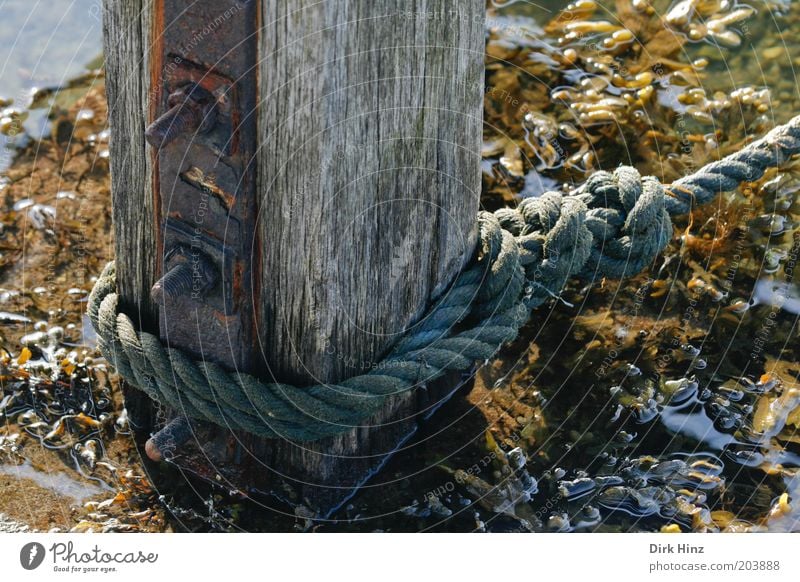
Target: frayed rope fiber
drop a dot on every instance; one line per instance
(612, 226)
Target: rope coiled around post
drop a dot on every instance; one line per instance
(613, 226)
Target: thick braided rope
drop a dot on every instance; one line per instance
(746, 165)
(613, 226)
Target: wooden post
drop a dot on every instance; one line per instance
(367, 185)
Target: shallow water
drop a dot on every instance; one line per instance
(667, 401)
(44, 44)
(56, 481)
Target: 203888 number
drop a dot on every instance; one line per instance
(767, 565)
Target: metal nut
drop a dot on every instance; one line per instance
(192, 109)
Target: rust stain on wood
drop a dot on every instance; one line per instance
(155, 97)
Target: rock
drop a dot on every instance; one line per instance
(8, 525)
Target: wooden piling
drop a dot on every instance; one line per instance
(366, 166)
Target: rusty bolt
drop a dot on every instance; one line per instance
(187, 271)
(191, 110)
(164, 444)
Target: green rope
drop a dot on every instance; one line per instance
(613, 226)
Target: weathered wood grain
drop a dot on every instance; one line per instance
(127, 29)
(370, 130)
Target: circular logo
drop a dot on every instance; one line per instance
(31, 555)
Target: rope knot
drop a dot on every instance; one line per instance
(628, 219)
(553, 240)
